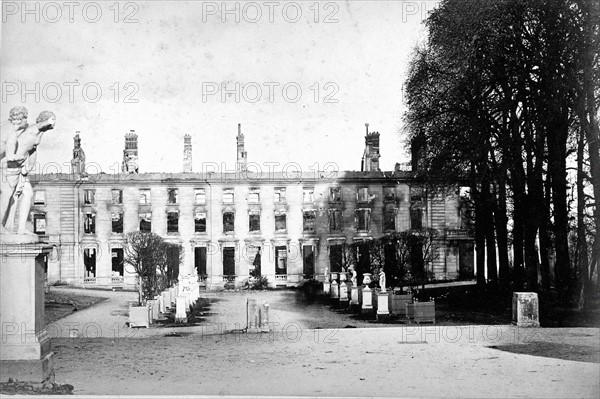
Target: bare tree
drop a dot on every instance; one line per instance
(146, 253)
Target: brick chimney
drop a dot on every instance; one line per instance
(130, 153)
(187, 153)
(242, 156)
(370, 159)
(78, 161)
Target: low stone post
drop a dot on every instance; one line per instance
(335, 291)
(383, 310)
(343, 300)
(354, 298)
(367, 295)
(525, 309)
(180, 310)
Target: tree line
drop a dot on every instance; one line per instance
(503, 97)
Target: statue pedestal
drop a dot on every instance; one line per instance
(180, 310)
(525, 309)
(343, 302)
(326, 287)
(354, 299)
(367, 301)
(383, 310)
(335, 290)
(24, 343)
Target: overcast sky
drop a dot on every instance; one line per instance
(173, 57)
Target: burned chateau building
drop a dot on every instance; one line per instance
(285, 226)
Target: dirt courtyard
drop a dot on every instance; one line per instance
(310, 353)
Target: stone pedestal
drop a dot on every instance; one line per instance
(525, 309)
(367, 301)
(326, 287)
(180, 310)
(343, 301)
(24, 343)
(335, 290)
(383, 310)
(354, 299)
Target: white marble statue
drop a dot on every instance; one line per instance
(382, 281)
(19, 154)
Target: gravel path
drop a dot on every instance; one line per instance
(295, 359)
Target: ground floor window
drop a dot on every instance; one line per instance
(173, 260)
(228, 261)
(200, 260)
(308, 260)
(335, 258)
(89, 261)
(117, 261)
(281, 260)
(254, 257)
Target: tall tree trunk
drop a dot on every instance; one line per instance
(490, 239)
(501, 222)
(479, 237)
(582, 248)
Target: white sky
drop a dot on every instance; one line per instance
(177, 47)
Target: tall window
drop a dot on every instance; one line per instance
(308, 195)
(389, 219)
(281, 259)
(89, 196)
(117, 196)
(416, 217)
(117, 222)
(362, 194)
(172, 222)
(309, 219)
(144, 196)
(279, 195)
(254, 220)
(172, 196)
(254, 196)
(335, 220)
(200, 222)
(280, 221)
(39, 223)
(39, 197)
(118, 263)
(363, 217)
(199, 196)
(89, 261)
(89, 223)
(200, 260)
(228, 221)
(146, 222)
(228, 196)
(335, 194)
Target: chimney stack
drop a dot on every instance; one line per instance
(242, 155)
(130, 153)
(187, 153)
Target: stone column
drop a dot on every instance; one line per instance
(25, 345)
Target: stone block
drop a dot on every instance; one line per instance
(525, 309)
(41, 370)
(180, 310)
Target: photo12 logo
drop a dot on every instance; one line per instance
(69, 11)
(54, 92)
(254, 92)
(270, 11)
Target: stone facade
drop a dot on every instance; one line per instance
(229, 224)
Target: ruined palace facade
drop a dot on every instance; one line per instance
(285, 226)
